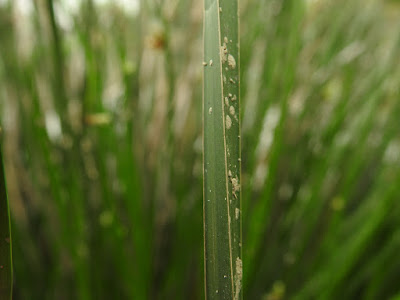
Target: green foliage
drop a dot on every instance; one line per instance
(6, 270)
(100, 110)
(221, 163)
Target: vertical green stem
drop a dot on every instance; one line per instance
(6, 272)
(222, 209)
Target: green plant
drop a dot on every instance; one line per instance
(221, 162)
(6, 269)
(100, 106)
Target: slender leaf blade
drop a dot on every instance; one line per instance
(6, 273)
(222, 210)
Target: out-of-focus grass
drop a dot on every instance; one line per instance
(6, 269)
(101, 112)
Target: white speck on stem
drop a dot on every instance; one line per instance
(237, 212)
(235, 185)
(211, 62)
(210, 110)
(228, 122)
(231, 62)
(238, 277)
(231, 110)
(225, 40)
(226, 101)
(224, 52)
(204, 63)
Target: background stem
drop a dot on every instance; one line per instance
(6, 272)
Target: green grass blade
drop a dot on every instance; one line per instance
(222, 209)
(6, 273)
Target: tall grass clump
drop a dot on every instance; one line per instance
(221, 162)
(100, 106)
(6, 269)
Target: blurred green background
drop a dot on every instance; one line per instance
(100, 107)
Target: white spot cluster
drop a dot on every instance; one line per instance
(224, 52)
(235, 185)
(228, 122)
(238, 277)
(237, 212)
(226, 101)
(231, 62)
